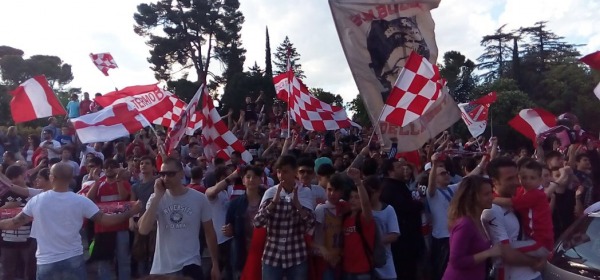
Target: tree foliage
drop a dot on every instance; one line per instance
(360, 116)
(268, 62)
(497, 52)
(188, 33)
(15, 69)
(327, 97)
(281, 58)
(458, 72)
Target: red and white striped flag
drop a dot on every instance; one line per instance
(34, 99)
(533, 122)
(593, 60)
(113, 122)
(475, 113)
(307, 110)
(158, 106)
(217, 139)
(418, 86)
(179, 130)
(104, 62)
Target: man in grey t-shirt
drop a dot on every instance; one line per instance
(177, 211)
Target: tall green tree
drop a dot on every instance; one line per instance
(361, 115)
(497, 52)
(327, 97)
(458, 72)
(281, 58)
(268, 62)
(188, 33)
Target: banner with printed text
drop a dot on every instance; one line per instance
(377, 37)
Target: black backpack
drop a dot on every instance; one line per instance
(375, 255)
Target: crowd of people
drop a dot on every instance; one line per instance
(309, 205)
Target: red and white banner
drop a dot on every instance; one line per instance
(113, 122)
(158, 106)
(307, 110)
(533, 122)
(377, 37)
(34, 99)
(181, 126)
(217, 139)
(443, 113)
(418, 86)
(475, 113)
(104, 62)
(593, 60)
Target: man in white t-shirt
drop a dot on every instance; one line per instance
(306, 175)
(57, 217)
(51, 146)
(503, 226)
(178, 213)
(439, 194)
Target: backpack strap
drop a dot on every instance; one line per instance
(448, 195)
(366, 248)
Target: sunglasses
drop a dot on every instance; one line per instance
(167, 173)
(305, 171)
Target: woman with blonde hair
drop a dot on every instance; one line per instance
(469, 243)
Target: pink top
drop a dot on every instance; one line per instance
(465, 242)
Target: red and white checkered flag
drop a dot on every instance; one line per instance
(418, 86)
(170, 118)
(103, 61)
(217, 139)
(306, 109)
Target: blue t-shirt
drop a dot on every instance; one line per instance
(64, 140)
(73, 109)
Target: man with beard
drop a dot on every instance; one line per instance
(410, 245)
(503, 225)
(178, 213)
(114, 187)
(52, 146)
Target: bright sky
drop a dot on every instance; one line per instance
(74, 29)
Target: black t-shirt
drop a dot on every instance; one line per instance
(564, 211)
(253, 149)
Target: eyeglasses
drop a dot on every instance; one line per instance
(167, 173)
(306, 171)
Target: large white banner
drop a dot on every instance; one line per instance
(377, 37)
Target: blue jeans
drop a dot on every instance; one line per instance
(297, 272)
(123, 255)
(69, 269)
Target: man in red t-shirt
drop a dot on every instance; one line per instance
(84, 105)
(196, 179)
(111, 241)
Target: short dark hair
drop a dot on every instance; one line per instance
(44, 173)
(173, 161)
(579, 157)
(196, 173)
(219, 161)
(286, 160)
(49, 131)
(96, 161)
(369, 167)
(343, 183)
(14, 171)
(493, 168)
(387, 165)
(306, 162)
(254, 169)
(53, 161)
(110, 163)
(238, 154)
(326, 170)
(532, 165)
(468, 163)
(221, 172)
(372, 184)
(553, 154)
(151, 159)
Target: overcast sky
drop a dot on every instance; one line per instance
(73, 29)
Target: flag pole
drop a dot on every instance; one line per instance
(113, 82)
(376, 126)
(290, 81)
(491, 124)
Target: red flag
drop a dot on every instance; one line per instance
(307, 110)
(158, 106)
(533, 122)
(418, 86)
(178, 131)
(104, 62)
(593, 60)
(486, 99)
(34, 99)
(218, 140)
(110, 123)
